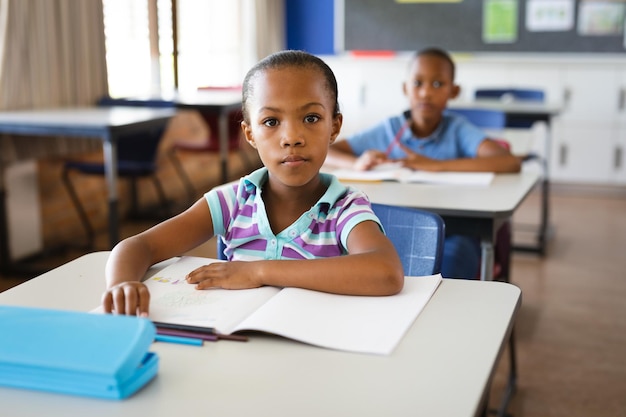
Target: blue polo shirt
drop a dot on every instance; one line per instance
(454, 138)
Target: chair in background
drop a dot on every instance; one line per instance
(211, 143)
(494, 121)
(417, 235)
(136, 158)
(518, 121)
(512, 94)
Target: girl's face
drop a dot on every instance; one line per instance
(291, 123)
(429, 87)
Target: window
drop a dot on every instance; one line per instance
(209, 45)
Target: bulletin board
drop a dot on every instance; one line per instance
(463, 26)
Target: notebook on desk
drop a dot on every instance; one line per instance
(352, 323)
(396, 172)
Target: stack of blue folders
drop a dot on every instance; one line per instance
(75, 353)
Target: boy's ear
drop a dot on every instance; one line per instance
(247, 132)
(456, 90)
(404, 88)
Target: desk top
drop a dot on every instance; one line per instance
(201, 100)
(441, 367)
(77, 121)
(529, 108)
(498, 200)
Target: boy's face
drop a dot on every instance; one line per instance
(429, 86)
(292, 123)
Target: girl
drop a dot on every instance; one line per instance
(285, 224)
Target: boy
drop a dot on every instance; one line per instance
(428, 138)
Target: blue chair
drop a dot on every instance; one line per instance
(136, 158)
(483, 118)
(417, 235)
(512, 94)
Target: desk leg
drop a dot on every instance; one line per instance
(486, 259)
(4, 229)
(223, 132)
(109, 146)
(544, 222)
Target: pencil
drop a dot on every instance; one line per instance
(193, 335)
(184, 327)
(178, 339)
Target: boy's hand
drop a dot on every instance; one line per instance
(233, 275)
(131, 298)
(416, 161)
(369, 159)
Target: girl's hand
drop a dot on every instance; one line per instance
(369, 159)
(131, 298)
(233, 275)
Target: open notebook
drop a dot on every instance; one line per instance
(351, 323)
(395, 172)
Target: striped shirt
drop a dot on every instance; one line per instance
(239, 216)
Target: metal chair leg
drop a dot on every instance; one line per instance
(79, 208)
(191, 191)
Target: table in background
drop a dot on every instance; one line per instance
(100, 123)
(536, 112)
(442, 366)
(466, 209)
(220, 102)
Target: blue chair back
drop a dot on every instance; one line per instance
(483, 118)
(417, 235)
(521, 94)
(513, 94)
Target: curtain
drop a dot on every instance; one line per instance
(52, 54)
(263, 23)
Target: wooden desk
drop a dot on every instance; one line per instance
(535, 112)
(100, 123)
(206, 102)
(467, 210)
(442, 367)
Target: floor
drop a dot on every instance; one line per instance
(571, 328)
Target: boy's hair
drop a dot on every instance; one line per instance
(439, 53)
(289, 58)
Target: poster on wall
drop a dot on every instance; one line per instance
(601, 18)
(549, 15)
(500, 21)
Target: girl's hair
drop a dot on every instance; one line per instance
(285, 59)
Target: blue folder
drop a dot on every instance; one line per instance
(77, 353)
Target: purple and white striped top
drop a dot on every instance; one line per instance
(238, 214)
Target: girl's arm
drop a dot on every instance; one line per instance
(131, 258)
(372, 267)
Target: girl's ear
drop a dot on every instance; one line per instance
(456, 90)
(247, 132)
(337, 122)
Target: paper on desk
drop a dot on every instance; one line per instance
(395, 172)
(344, 322)
(352, 323)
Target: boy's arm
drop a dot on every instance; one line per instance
(340, 155)
(490, 157)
